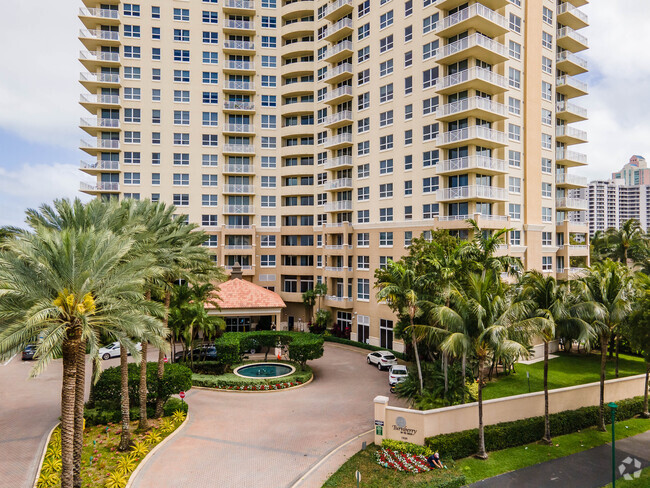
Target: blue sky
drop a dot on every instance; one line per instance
(39, 91)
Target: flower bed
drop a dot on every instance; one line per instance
(402, 461)
(233, 382)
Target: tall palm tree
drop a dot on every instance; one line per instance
(66, 287)
(484, 247)
(477, 323)
(627, 243)
(542, 304)
(320, 289)
(608, 284)
(398, 287)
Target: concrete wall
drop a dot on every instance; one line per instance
(415, 425)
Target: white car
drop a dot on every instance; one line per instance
(383, 359)
(113, 350)
(397, 374)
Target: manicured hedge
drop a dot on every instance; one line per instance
(363, 345)
(209, 367)
(103, 414)
(231, 379)
(407, 447)
(519, 432)
(303, 346)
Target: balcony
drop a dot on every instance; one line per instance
(94, 60)
(475, 134)
(101, 186)
(340, 51)
(239, 6)
(476, 46)
(98, 145)
(339, 184)
(451, 4)
(339, 119)
(570, 112)
(570, 181)
(238, 26)
(339, 73)
(239, 148)
(343, 28)
(239, 66)
(340, 206)
(238, 128)
(237, 46)
(239, 189)
(570, 135)
(237, 106)
(247, 269)
(239, 86)
(476, 163)
(571, 64)
(238, 209)
(340, 162)
(93, 125)
(570, 87)
(97, 166)
(472, 192)
(479, 107)
(570, 158)
(92, 81)
(338, 141)
(479, 79)
(338, 9)
(339, 95)
(570, 16)
(570, 40)
(578, 3)
(93, 16)
(571, 204)
(336, 247)
(93, 102)
(477, 17)
(297, 68)
(238, 169)
(239, 247)
(94, 38)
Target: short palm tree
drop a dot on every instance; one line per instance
(477, 323)
(608, 284)
(483, 248)
(65, 287)
(628, 243)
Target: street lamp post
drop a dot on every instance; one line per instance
(613, 408)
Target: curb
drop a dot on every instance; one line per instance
(153, 451)
(327, 456)
(47, 443)
(221, 390)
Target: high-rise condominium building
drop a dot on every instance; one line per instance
(635, 172)
(612, 203)
(313, 140)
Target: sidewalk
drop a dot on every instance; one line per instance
(587, 469)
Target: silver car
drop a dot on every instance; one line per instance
(382, 359)
(397, 374)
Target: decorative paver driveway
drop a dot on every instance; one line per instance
(269, 439)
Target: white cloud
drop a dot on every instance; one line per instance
(619, 84)
(30, 185)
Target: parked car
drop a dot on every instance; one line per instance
(113, 350)
(28, 352)
(206, 352)
(383, 359)
(397, 374)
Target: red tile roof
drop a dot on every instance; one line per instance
(239, 293)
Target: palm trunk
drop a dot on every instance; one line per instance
(69, 350)
(616, 348)
(482, 454)
(646, 414)
(93, 374)
(125, 439)
(547, 420)
(143, 424)
(462, 367)
(603, 365)
(80, 384)
(161, 356)
(417, 356)
(445, 363)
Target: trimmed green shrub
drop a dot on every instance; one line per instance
(209, 367)
(363, 345)
(174, 404)
(103, 416)
(408, 447)
(224, 381)
(519, 432)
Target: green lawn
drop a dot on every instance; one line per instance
(642, 482)
(565, 370)
(374, 476)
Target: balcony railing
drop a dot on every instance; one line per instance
(569, 131)
(565, 7)
(564, 106)
(482, 163)
(100, 144)
(339, 117)
(341, 24)
(243, 65)
(244, 267)
(239, 168)
(100, 99)
(338, 268)
(238, 226)
(242, 4)
(572, 82)
(338, 183)
(338, 139)
(341, 46)
(474, 10)
(239, 24)
(337, 247)
(473, 191)
(100, 123)
(472, 41)
(239, 148)
(100, 77)
(334, 298)
(472, 132)
(576, 203)
(569, 32)
(102, 13)
(571, 179)
(100, 165)
(343, 90)
(572, 58)
(333, 7)
(472, 103)
(338, 70)
(241, 45)
(100, 186)
(241, 128)
(237, 105)
(238, 209)
(238, 188)
(238, 246)
(99, 56)
(101, 35)
(475, 73)
(562, 154)
(341, 205)
(338, 161)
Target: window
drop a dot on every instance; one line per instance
(363, 8)
(210, 140)
(363, 54)
(430, 132)
(269, 81)
(514, 210)
(210, 57)
(514, 50)
(182, 96)
(547, 117)
(267, 260)
(267, 241)
(209, 180)
(408, 33)
(181, 139)
(132, 115)
(408, 111)
(210, 77)
(363, 193)
(514, 184)
(182, 14)
(408, 137)
(363, 171)
(408, 212)
(134, 31)
(429, 77)
(547, 166)
(268, 182)
(547, 263)
(131, 10)
(429, 49)
(269, 4)
(268, 201)
(209, 220)
(386, 167)
(269, 61)
(385, 20)
(547, 141)
(155, 95)
(181, 179)
(514, 77)
(430, 210)
(386, 44)
(408, 238)
(363, 148)
(363, 239)
(181, 199)
(269, 41)
(515, 238)
(515, 23)
(269, 101)
(547, 190)
(386, 190)
(269, 142)
(181, 117)
(209, 200)
(269, 121)
(385, 118)
(408, 187)
(155, 12)
(132, 137)
(181, 35)
(385, 68)
(547, 40)
(408, 162)
(210, 119)
(363, 101)
(131, 52)
(385, 238)
(547, 15)
(386, 93)
(363, 262)
(408, 59)
(210, 37)
(408, 8)
(181, 76)
(514, 106)
(514, 159)
(155, 158)
(269, 22)
(429, 23)
(155, 178)
(155, 54)
(363, 31)
(363, 216)
(131, 73)
(181, 159)
(268, 162)
(363, 125)
(429, 185)
(547, 65)
(268, 220)
(430, 158)
(363, 289)
(514, 132)
(386, 142)
(131, 157)
(547, 91)
(547, 214)
(131, 178)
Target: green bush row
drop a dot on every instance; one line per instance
(208, 367)
(225, 381)
(101, 415)
(408, 447)
(363, 345)
(519, 432)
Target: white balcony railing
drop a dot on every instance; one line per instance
(341, 91)
(569, 32)
(338, 139)
(472, 41)
(238, 246)
(475, 73)
(474, 10)
(99, 56)
(334, 298)
(239, 168)
(100, 186)
(338, 161)
(338, 269)
(338, 183)
(477, 162)
(99, 122)
(341, 205)
(101, 35)
(341, 46)
(239, 148)
(240, 128)
(339, 117)
(473, 191)
(572, 82)
(341, 24)
(472, 103)
(338, 70)
(241, 45)
(239, 85)
(99, 77)
(569, 131)
(100, 99)
(237, 105)
(243, 4)
(243, 65)
(238, 24)
(571, 179)
(562, 154)
(572, 203)
(572, 58)
(337, 5)
(566, 7)
(100, 165)
(238, 209)
(230, 188)
(100, 144)
(564, 106)
(472, 132)
(101, 13)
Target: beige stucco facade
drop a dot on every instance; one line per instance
(314, 139)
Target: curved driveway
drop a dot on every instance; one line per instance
(269, 439)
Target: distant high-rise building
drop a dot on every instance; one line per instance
(612, 202)
(635, 172)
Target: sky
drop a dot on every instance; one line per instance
(39, 94)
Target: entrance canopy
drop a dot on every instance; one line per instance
(238, 297)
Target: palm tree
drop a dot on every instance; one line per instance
(542, 304)
(484, 247)
(320, 289)
(608, 284)
(309, 300)
(477, 323)
(398, 286)
(66, 287)
(627, 243)
(637, 330)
